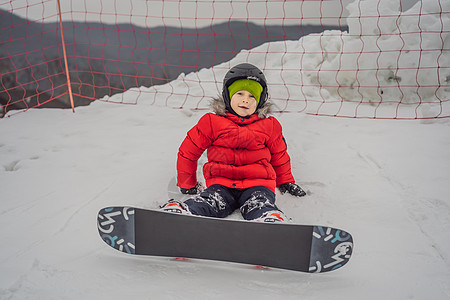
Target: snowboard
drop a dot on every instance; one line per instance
(305, 248)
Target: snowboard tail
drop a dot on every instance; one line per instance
(287, 246)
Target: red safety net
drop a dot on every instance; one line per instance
(364, 59)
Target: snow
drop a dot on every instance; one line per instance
(342, 70)
(384, 181)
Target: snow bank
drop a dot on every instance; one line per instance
(395, 62)
(394, 57)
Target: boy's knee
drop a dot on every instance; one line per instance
(257, 202)
(210, 202)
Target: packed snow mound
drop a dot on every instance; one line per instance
(387, 54)
(391, 59)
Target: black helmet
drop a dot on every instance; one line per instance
(243, 71)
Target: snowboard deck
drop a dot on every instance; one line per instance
(287, 246)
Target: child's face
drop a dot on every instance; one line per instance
(243, 103)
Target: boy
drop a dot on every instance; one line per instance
(246, 152)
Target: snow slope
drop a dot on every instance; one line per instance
(385, 181)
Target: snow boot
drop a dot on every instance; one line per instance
(274, 216)
(176, 207)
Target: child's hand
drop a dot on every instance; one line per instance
(292, 188)
(198, 188)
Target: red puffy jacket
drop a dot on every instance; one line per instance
(242, 152)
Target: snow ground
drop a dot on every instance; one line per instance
(386, 182)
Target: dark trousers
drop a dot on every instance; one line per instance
(220, 201)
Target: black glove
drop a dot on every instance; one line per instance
(292, 189)
(198, 188)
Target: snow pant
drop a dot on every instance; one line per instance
(219, 201)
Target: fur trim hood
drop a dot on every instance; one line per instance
(217, 105)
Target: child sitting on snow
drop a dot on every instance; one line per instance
(247, 155)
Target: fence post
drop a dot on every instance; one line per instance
(69, 86)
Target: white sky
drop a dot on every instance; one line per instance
(188, 13)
